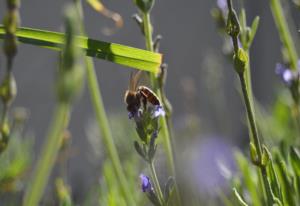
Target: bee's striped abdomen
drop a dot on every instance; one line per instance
(149, 95)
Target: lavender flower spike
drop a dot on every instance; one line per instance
(145, 183)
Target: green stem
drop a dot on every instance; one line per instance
(284, 32)
(148, 31)
(164, 129)
(257, 143)
(49, 153)
(156, 183)
(164, 126)
(103, 125)
(102, 120)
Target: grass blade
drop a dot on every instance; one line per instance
(117, 53)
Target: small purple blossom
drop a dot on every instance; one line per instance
(222, 5)
(158, 111)
(155, 133)
(286, 74)
(130, 115)
(145, 183)
(136, 115)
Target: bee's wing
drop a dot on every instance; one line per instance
(134, 80)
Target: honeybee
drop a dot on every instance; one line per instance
(137, 96)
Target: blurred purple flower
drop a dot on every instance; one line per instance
(145, 183)
(209, 162)
(286, 74)
(222, 5)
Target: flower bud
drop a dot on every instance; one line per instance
(144, 5)
(13, 4)
(70, 75)
(240, 61)
(253, 154)
(8, 89)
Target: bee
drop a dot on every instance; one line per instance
(137, 96)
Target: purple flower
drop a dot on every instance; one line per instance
(286, 74)
(158, 111)
(145, 183)
(222, 5)
(130, 115)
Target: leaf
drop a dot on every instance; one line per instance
(254, 27)
(117, 53)
(295, 160)
(239, 198)
(249, 177)
(169, 188)
(285, 178)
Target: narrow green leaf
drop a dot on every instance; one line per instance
(295, 160)
(239, 198)
(117, 53)
(254, 27)
(287, 186)
(249, 177)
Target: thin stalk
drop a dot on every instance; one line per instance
(164, 129)
(257, 143)
(248, 104)
(102, 120)
(163, 121)
(103, 125)
(284, 32)
(49, 153)
(156, 183)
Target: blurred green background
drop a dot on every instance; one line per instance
(201, 84)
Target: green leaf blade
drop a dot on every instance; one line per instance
(116, 53)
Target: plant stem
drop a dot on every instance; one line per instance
(163, 121)
(164, 129)
(148, 31)
(284, 32)
(156, 184)
(102, 120)
(103, 125)
(257, 143)
(49, 153)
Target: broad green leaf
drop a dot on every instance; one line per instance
(117, 53)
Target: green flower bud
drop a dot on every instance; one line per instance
(240, 61)
(253, 154)
(13, 4)
(233, 25)
(8, 89)
(5, 130)
(11, 22)
(144, 5)
(70, 74)
(266, 156)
